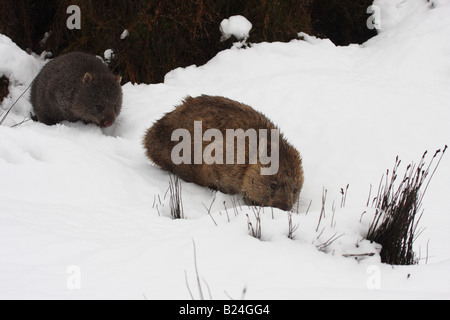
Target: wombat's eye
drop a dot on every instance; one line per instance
(273, 186)
(295, 191)
(99, 108)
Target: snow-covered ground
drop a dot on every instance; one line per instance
(83, 213)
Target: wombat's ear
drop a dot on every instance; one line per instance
(119, 79)
(87, 78)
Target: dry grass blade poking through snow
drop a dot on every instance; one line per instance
(201, 294)
(3, 116)
(395, 225)
(176, 199)
(293, 227)
(255, 229)
(199, 284)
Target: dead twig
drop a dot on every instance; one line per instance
(322, 211)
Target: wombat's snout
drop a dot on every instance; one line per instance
(282, 203)
(283, 206)
(107, 123)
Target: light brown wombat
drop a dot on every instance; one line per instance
(195, 117)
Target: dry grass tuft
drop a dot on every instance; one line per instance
(399, 210)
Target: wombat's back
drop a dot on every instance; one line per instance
(214, 113)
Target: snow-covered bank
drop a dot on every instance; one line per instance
(74, 195)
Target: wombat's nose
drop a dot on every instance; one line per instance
(282, 206)
(107, 123)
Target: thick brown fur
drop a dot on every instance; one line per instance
(280, 190)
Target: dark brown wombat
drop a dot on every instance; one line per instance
(76, 86)
(205, 155)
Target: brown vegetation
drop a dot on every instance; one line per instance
(399, 210)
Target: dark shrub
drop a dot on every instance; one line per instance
(4, 84)
(27, 21)
(166, 34)
(399, 209)
(342, 21)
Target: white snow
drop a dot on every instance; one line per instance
(237, 26)
(20, 68)
(83, 213)
(108, 54)
(124, 34)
